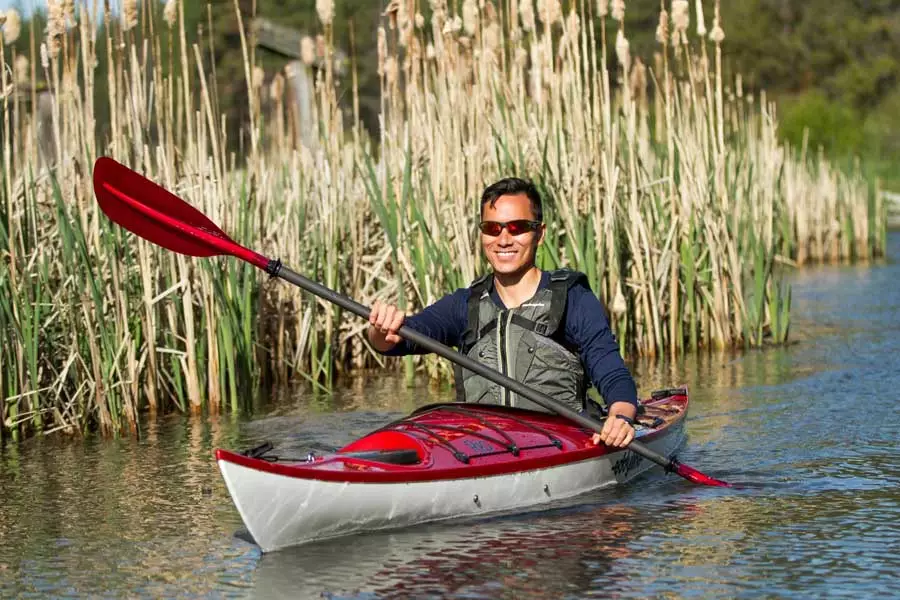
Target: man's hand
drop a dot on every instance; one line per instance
(384, 322)
(617, 432)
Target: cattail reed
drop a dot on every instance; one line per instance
(549, 12)
(526, 14)
(680, 230)
(307, 50)
(617, 9)
(469, 16)
(681, 20)
(170, 13)
(325, 10)
(13, 26)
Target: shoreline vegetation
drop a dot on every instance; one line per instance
(665, 182)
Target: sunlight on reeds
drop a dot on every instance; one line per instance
(664, 182)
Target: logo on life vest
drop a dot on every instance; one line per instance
(626, 464)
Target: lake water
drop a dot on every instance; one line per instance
(810, 430)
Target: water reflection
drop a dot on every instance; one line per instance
(809, 428)
(515, 557)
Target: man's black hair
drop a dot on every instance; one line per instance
(512, 186)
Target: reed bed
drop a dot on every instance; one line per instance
(666, 185)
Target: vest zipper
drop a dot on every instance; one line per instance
(503, 352)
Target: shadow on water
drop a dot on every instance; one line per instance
(809, 429)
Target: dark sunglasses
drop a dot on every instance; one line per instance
(517, 227)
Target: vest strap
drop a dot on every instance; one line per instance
(561, 280)
(477, 290)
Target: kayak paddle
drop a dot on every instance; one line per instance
(155, 214)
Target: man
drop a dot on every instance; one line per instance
(544, 329)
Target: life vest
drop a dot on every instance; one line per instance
(526, 343)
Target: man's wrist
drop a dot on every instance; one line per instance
(624, 408)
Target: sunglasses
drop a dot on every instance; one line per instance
(517, 227)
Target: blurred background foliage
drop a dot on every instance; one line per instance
(833, 66)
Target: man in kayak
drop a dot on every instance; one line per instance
(544, 328)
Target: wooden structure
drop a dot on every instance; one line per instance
(299, 76)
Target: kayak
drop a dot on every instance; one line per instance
(440, 462)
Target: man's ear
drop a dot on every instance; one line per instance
(543, 234)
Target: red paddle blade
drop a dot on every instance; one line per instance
(696, 476)
(155, 214)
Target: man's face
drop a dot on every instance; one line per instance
(508, 253)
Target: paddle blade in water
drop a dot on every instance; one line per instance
(152, 212)
(696, 476)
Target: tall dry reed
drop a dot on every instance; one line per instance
(666, 184)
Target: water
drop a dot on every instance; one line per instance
(810, 430)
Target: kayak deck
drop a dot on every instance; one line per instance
(451, 441)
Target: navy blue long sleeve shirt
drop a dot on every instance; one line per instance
(586, 329)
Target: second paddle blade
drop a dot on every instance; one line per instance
(122, 193)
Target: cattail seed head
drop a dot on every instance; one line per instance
(489, 12)
(45, 56)
(325, 10)
(470, 16)
(420, 21)
(602, 8)
(129, 14)
(382, 50)
(623, 52)
(717, 34)
(526, 13)
(402, 15)
(681, 17)
(662, 29)
(549, 12)
(259, 77)
(491, 37)
(307, 50)
(391, 70)
(637, 80)
(618, 305)
(521, 56)
(617, 8)
(56, 27)
(170, 13)
(390, 12)
(430, 52)
(276, 88)
(453, 25)
(573, 26)
(701, 22)
(22, 68)
(13, 26)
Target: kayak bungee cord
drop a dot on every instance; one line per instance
(155, 214)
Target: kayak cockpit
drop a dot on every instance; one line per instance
(464, 432)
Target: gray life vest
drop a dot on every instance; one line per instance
(526, 343)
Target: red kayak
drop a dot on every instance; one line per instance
(442, 461)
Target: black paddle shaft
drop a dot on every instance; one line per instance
(276, 269)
